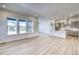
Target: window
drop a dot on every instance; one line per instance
(18, 26)
(12, 26)
(29, 26)
(22, 26)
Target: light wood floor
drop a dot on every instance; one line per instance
(41, 46)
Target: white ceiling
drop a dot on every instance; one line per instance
(43, 9)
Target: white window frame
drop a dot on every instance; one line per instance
(10, 18)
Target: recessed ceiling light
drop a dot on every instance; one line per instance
(3, 6)
(36, 15)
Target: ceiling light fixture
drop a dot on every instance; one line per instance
(36, 15)
(3, 6)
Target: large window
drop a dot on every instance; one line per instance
(29, 26)
(18, 26)
(12, 26)
(22, 26)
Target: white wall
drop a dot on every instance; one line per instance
(0, 27)
(44, 25)
(3, 26)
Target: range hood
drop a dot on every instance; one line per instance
(67, 22)
(67, 26)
